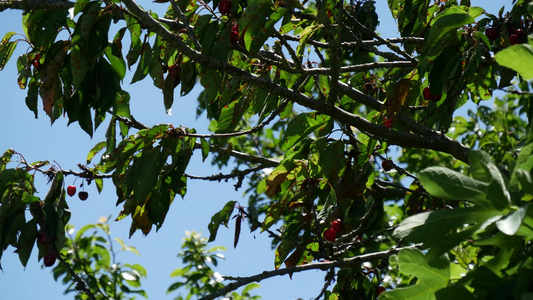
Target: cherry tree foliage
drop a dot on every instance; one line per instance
(304, 100)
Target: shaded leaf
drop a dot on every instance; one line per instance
(220, 218)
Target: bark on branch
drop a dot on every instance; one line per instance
(353, 261)
(434, 141)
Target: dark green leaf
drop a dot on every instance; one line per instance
(205, 148)
(28, 234)
(301, 126)
(451, 18)
(220, 218)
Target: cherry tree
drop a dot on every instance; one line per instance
(305, 100)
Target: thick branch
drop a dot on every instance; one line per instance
(36, 5)
(353, 261)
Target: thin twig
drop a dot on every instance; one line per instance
(190, 29)
(81, 285)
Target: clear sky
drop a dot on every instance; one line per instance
(37, 140)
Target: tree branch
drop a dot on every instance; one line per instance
(353, 261)
(404, 139)
(36, 5)
(80, 283)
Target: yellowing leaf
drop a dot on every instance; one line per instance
(274, 181)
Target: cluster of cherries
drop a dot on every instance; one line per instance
(330, 234)
(71, 191)
(516, 36)
(236, 38)
(49, 258)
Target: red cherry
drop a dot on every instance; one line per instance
(492, 33)
(380, 290)
(224, 7)
(83, 195)
(71, 190)
(426, 93)
(330, 235)
(514, 39)
(174, 71)
(521, 33)
(49, 259)
(234, 35)
(337, 225)
(387, 122)
(42, 239)
(387, 165)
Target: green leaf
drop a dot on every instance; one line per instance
(450, 185)
(115, 58)
(97, 148)
(205, 148)
(227, 116)
(144, 64)
(282, 250)
(301, 126)
(99, 36)
(220, 218)
(432, 275)
(451, 18)
(519, 58)
(512, 222)
(443, 229)
(305, 35)
(6, 49)
(79, 6)
(28, 234)
(79, 66)
(135, 34)
(146, 169)
(188, 77)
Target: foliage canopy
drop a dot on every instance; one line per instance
(304, 102)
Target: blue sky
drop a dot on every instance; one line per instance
(37, 140)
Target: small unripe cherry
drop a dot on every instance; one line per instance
(83, 195)
(387, 165)
(71, 190)
(49, 259)
(330, 235)
(337, 225)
